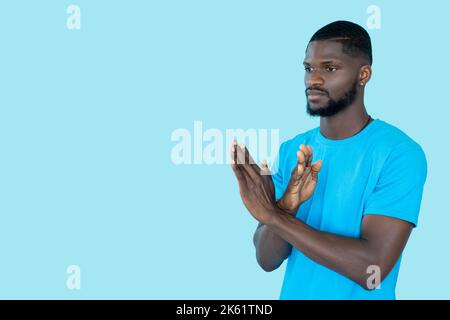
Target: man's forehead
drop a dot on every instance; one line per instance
(325, 50)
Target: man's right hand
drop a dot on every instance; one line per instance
(303, 181)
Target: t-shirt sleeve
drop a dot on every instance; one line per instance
(398, 192)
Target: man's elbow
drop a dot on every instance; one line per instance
(372, 278)
(267, 266)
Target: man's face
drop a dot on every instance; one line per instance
(331, 78)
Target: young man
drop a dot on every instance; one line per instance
(343, 221)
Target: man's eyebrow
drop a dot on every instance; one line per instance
(329, 61)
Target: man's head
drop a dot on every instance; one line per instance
(337, 63)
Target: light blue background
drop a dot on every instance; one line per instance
(86, 116)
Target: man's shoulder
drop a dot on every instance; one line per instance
(399, 150)
(393, 138)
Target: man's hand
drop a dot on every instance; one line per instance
(255, 184)
(303, 181)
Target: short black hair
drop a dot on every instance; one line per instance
(355, 39)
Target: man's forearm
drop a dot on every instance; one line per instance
(348, 256)
(271, 249)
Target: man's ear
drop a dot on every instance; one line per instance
(365, 72)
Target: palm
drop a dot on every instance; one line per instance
(303, 181)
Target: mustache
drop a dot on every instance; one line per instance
(316, 89)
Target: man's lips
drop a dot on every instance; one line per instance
(315, 94)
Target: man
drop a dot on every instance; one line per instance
(346, 195)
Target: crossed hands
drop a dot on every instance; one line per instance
(256, 186)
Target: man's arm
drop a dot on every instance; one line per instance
(381, 244)
(271, 250)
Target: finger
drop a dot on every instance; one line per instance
(299, 168)
(301, 155)
(238, 172)
(306, 177)
(310, 156)
(233, 152)
(243, 156)
(239, 155)
(304, 149)
(297, 171)
(234, 165)
(249, 165)
(242, 160)
(249, 159)
(307, 151)
(315, 169)
(265, 169)
(300, 163)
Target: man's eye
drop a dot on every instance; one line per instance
(308, 69)
(330, 69)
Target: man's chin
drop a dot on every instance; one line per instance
(316, 111)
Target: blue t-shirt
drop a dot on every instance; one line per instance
(378, 171)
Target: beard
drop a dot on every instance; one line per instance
(333, 107)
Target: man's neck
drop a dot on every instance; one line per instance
(345, 124)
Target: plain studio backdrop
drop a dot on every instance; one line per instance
(87, 180)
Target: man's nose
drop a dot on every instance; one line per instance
(314, 80)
